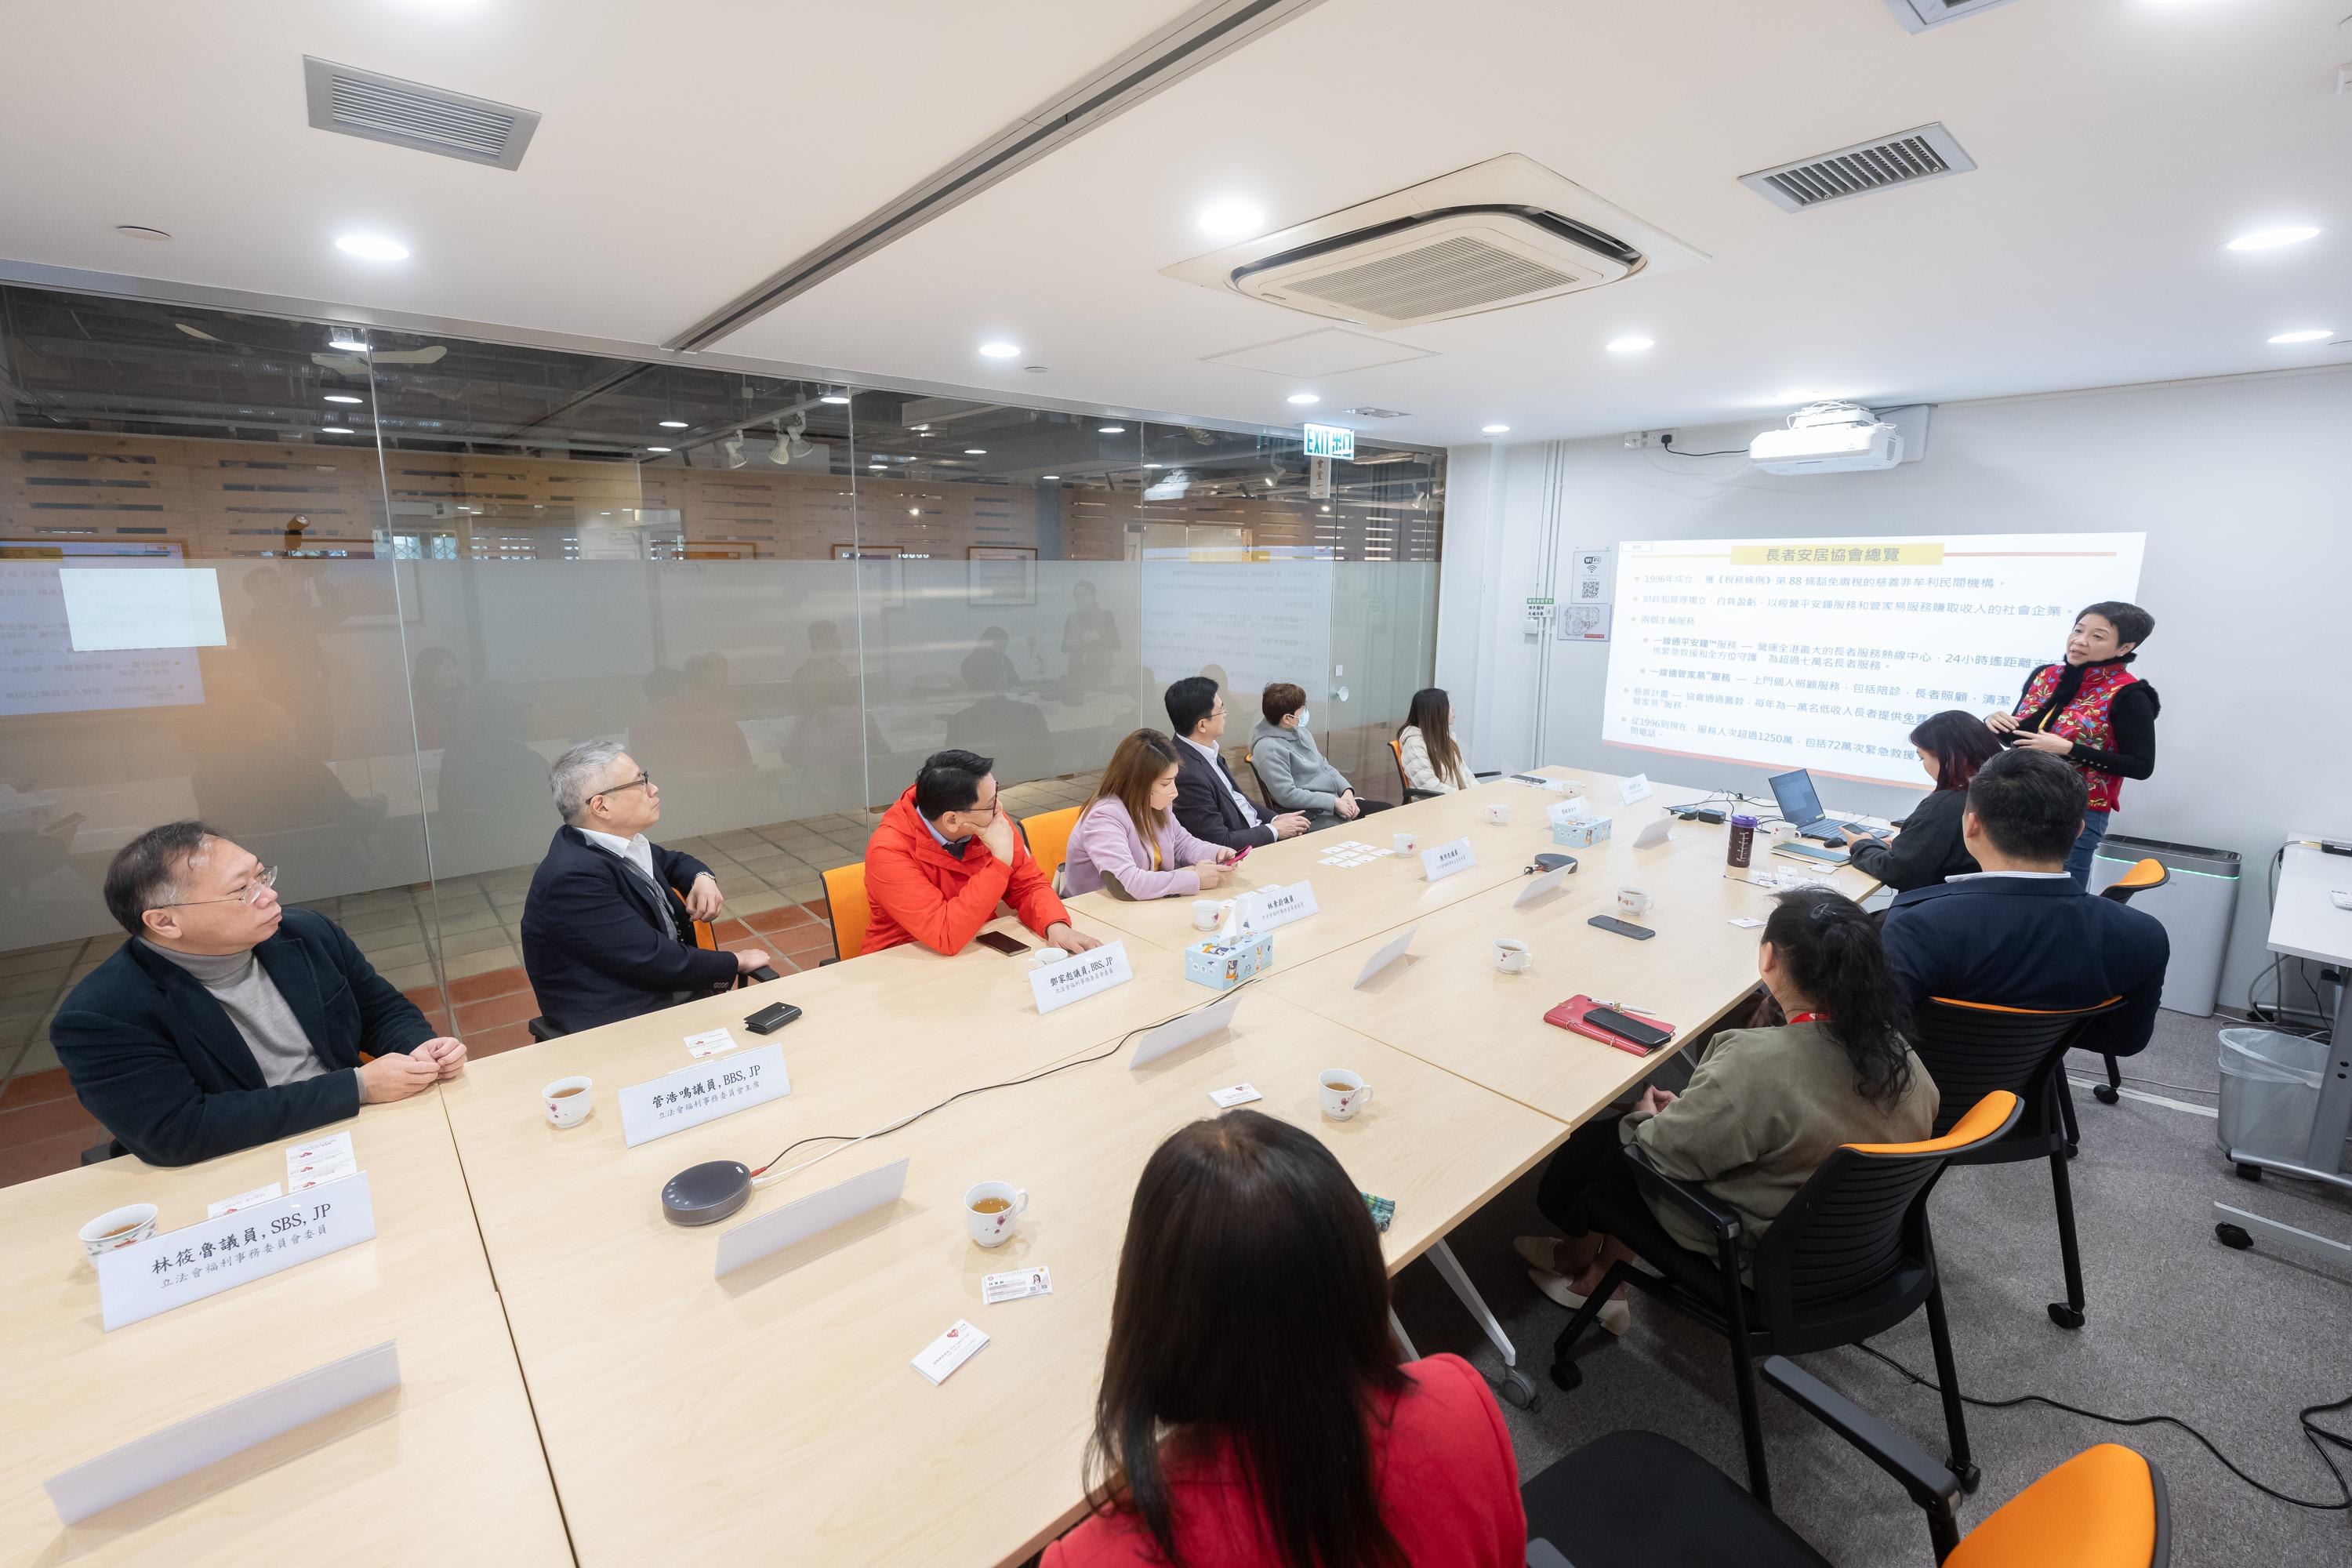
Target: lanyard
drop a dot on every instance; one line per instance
(1809, 1018)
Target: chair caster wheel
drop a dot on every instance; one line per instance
(1969, 1475)
(2064, 1316)
(1565, 1375)
(1516, 1391)
(2233, 1237)
(2105, 1094)
(2248, 1172)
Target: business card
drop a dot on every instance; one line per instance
(949, 1352)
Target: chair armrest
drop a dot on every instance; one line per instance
(1931, 1486)
(1689, 1196)
(1490, 774)
(765, 973)
(1413, 795)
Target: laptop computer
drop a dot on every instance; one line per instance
(1802, 807)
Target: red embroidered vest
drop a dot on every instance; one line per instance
(2085, 719)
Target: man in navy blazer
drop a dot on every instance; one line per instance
(1209, 804)
(2020, 932)
(228, 1020)
(606, 926)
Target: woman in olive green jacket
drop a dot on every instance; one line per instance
(1764, 1108)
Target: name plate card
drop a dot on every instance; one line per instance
(1278, 906)
(1567, 811)
(1079, 976)
(184, 1266)
(1179, 1032)
(692, 1096)
(1634, 789)
(186, 1447)
(804, 1216)
(1447, 858)
(1388, 953)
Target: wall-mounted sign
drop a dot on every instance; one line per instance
(1331, 441)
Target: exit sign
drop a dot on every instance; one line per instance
(1331, 441)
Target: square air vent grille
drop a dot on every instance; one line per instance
(1906, 158)
(1457, 274)
(381, 108)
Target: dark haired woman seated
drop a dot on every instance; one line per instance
(1251, 1409)
(1763, 1109)
(1952, 745)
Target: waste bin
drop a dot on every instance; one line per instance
(2195, 909)
(2270, 1092)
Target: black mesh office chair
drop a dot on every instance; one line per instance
(2144, 874)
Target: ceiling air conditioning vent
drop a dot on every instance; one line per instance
(1906, 158)
(1504, 232)
(380, 108)
(1918, 16)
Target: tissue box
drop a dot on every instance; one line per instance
(1582, 834)
(1223, 965)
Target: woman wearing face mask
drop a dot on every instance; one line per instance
(1295, 774)
(2093, 712)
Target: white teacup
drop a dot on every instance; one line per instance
(1511, 955)
(1344, 1092)
(1632, 902)
(1404, 843)
(994, 1227)
(569, 1101)
(118, 1227)
(1500, 814)
(1205, 914)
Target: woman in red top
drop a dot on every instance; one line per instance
(2093, 712)
(1251, 1409)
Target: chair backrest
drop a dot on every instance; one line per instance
(1264, 796)
(2147, 874)
(1048, 833)
(845, 903)
(1972, 1048)
(1850, 1250)
(1396, 754)
(2105, 1507)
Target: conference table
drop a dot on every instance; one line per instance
(444, 1468)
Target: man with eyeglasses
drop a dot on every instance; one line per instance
(608, 924)
(228, 1020)
(945, 855)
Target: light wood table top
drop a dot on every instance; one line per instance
(1445, 1001)
(772, 1415)
(1355, 901)
(447, 1467)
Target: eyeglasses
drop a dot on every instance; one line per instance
(244, 895)
(642, 779)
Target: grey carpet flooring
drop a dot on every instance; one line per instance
(2233, 1343)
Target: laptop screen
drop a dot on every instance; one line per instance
(1794, 791)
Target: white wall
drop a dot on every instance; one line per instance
(2239, 486)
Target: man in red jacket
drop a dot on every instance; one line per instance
(942, 858)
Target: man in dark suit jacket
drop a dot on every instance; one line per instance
(2020, 934)
(227, 1020)
(603, 936)
(1209, 804)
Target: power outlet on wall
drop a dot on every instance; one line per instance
(1637, 439)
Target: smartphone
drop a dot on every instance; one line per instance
(1622, 928)
(1002, 943)
(1649, 1037)
(1241, 855)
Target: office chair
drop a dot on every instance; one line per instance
(98, 1153)
(1048, 834)
(1600, 1505)
(694, 933)
(1396, 755)
(1849, 1257)
(2147, 874)
(1973, 1048)
(845, 906)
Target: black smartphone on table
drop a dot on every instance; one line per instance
(1622, 928)
(1002, 943)
(1649, 1037)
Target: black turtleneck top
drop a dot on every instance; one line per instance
(2132, 717)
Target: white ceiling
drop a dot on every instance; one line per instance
(2119, 143)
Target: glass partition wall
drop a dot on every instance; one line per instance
(344, 595)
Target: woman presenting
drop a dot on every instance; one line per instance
(2094, 714)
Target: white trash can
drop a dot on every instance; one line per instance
(2270, 1092)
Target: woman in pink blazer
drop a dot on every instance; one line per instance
(1127, 833)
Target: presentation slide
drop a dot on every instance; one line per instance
(68, 644)
(1824, 653)
(1259, 621)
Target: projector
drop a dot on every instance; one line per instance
(1828, 438)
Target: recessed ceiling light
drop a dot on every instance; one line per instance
(2272, 239)
(834, 397)
(1233, 219)
(341, 397)
(1152, 465)
(2308, 335)
(1631, 345)
(140, 231)
(1110, 430)
(1494, 429)
(914, 512)
(975, 451)
(335, 430)
(673, 424)
(1304, 397)
(372, 248)
(1001, 351)
(1049, 476)
(346, 345)
(657, 448)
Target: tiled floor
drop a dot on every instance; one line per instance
(771, 877)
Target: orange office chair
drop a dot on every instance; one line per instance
(845, 903)
(1048, 834)
(1396, 755)
(2145, 874)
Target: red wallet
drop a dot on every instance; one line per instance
(1569, 1015)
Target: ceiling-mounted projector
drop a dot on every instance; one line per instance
(1828, 438)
